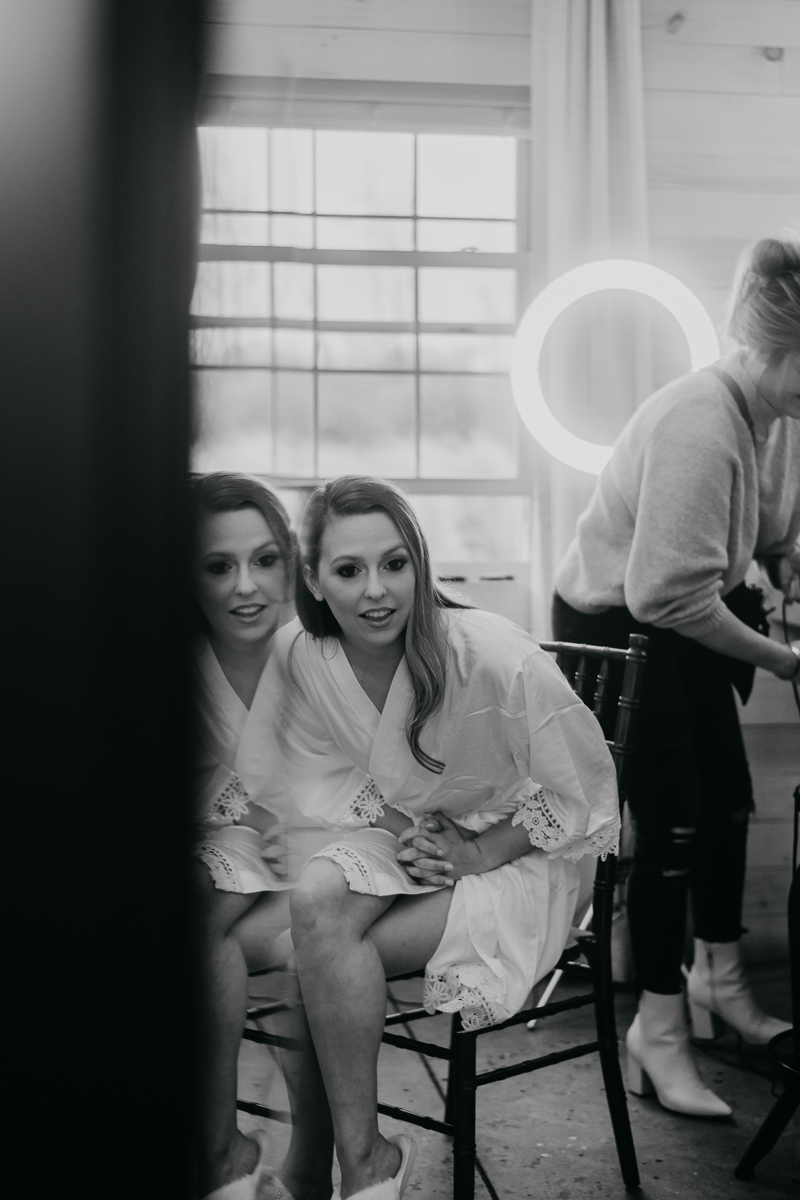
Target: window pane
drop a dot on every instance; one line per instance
(294, 423)
(231, 347)
(490, 237)
(234, 168)
(294, 291)
(233, 415)
(291, 231)
(476, 528)
(292, 175)
(235, 229)
(361, 173)
(365, 351)
(364, 233)
(480, 297)
(294, 348)
(365, 293)
(467, 428)
(464, 352)
(232, 289)
(461, 176)
(366, 425)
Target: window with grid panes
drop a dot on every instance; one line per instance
(355, 304)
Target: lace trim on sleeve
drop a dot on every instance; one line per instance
(365, 807)
(599, 844)
(230, 804)
(540, 821)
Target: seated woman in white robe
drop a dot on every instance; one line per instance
(245, 554)
(470, 777)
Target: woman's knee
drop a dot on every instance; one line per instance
(217, 910)
(318, 900)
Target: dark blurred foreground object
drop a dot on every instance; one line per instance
(96, 247)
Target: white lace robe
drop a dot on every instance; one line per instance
(515, 740)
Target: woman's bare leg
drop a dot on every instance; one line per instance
(343, 981)
(306, 1170)
(223, 1153)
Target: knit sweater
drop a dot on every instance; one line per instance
(686, 501)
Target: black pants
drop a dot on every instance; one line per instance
(689, 791)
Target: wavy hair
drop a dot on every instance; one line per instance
(426, 649)
(764, 308)
(224, 492)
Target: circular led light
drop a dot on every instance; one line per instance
(614, 273)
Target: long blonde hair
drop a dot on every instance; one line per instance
(426, 649)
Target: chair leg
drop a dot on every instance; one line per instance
(455, 1025)
(605, 1018)
(776, 1121)
(463, 1106)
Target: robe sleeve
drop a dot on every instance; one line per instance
(222, 799)
(320, 778)
(290, 761)
(570, 806)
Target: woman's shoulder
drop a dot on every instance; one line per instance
(485, 640)
(295, 650)
(697, 403)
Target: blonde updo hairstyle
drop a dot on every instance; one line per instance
(764, 310)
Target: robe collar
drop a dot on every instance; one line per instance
(386, 729)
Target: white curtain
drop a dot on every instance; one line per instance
(588, 200)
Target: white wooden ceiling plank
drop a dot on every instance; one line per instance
(695, 213)
(723, 166)
(724, 22)
(687, 67)
(367, 54)
(711, 118)
(510, 17)
(791, 72)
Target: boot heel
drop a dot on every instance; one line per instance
(706, 1025)
(638, 1079)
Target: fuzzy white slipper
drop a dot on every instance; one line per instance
(391, 1189)
(245, 1188)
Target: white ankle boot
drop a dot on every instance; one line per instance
(718, 991)
(659, 1059)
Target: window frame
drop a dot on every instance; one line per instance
(519, 260)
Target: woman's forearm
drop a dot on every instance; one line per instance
(392, 820)
(501, 844)
(737, 640)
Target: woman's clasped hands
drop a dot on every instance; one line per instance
(437, 852)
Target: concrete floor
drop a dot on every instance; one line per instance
(548, 1134)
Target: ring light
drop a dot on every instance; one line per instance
(615, 273)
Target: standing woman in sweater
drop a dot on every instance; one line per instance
(704, 478)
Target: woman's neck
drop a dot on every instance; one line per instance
(754, 368)
(242, 665)
(375, 667)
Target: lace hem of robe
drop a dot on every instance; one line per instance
(356, 872)
(220, 866)
(473, 989)
(230, 804)
(365, 807)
